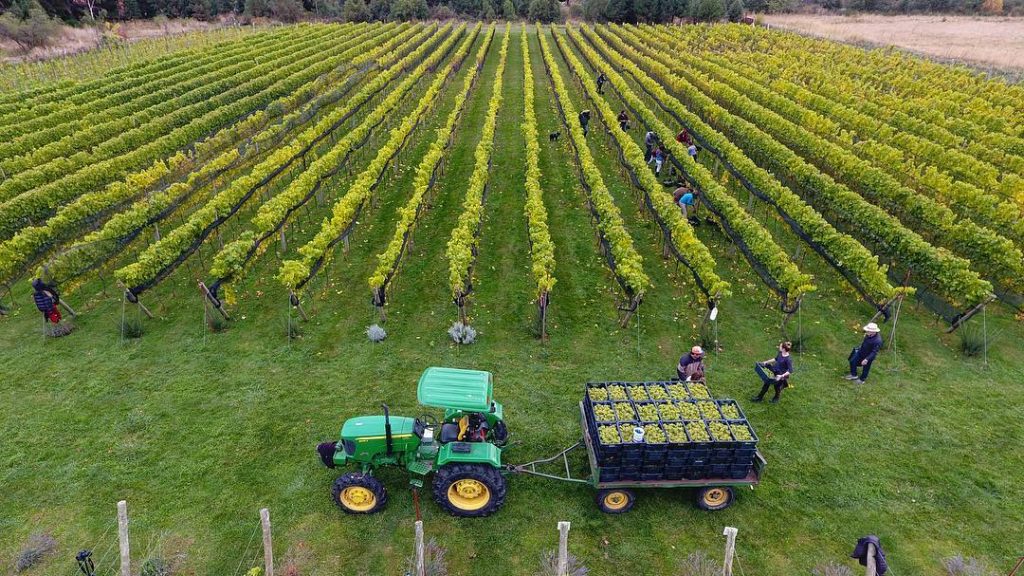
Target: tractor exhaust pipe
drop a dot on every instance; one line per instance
(387, 429)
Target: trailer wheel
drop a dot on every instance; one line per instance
(714, 498)
(616, 501)
(469, 490)
(358, 493)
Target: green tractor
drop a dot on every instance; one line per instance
(462, 449)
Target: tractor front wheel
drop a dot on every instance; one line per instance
(358, 493)
(469, 490)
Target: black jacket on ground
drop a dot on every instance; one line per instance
(860, 552)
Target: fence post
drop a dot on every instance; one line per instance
(563, 549)
(268, 546)
(872, 568)
(730, 549)
(122, 538)
(421, 568)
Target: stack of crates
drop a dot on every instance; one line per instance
(687, 433)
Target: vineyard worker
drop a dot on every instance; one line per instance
(781, 367)
(864, 355)
(691, 366)
(684, 137)
(687, 199)
(650, 139)
(692, 151)
(601, 79)
(46, 299)
(658, 158)
(585, 121)
(623, 121)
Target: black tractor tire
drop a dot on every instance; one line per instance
(714, 498)
(358, 493)
(615, 500)
(485, 486)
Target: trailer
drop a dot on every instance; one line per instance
(617, 497)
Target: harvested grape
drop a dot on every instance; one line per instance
(647, 412)
(709, 410)
(720, 431)
(653, 434)
(697, 432)
(730, 411)
(670, 412)
(609, 435)
(741, 432)
(675, 432)
(657, 392)
(598, 394)
(604, 413)
(625, 411)
(698, 390)
(616, 392)
(638, 392)
(678, 391)
(689, 411)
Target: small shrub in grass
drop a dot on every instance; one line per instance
(960, 566)
(972, 340)
(132, 328)
(375, 333)
(462, 333)
(831, 569)
(549, 565)
(698, 564)
(216, 322)
(156, 566)
(37, 547)
(434, 562)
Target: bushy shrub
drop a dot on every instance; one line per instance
(831, 569)
(375, 333)
(961, 566)
(699, 564)
(355, 11)
(462, 333)
(37, 547)
(549, 565)
(26, 24)
(434, 561)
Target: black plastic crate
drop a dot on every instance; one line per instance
(718, 470)
(739, 471)
(632, 459)
(744, 454)
(722, 456)
(648, 476)
(608, 474)
(695, 472)
(752, 443)
(630, 472)
(658, 457)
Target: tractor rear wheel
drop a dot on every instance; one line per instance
(358, 493)
(469, 490)
(615, 501)
(714, 498)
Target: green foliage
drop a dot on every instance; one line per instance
(508, 11)
(26, 24)
(410, 10)
(380, 10)
(708, 10)
(734, 10)
(355, 11)
(544, 11)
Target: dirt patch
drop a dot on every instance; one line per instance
(982, 41)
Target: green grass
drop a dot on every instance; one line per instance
(198, 431)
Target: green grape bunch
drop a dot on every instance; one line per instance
(604, 413)
(638, 392)
(676, 432)
(625, 411)
(609, 435)
(689, 411)
(598, 394)
(741, 432)
(670, 412)
(678, 391)
(697, 432)
(709, 410)
(698, 390)
(653, 434)
(648, 412)
(730, 411)
(720, 431)
(657, 392)
(616, 392)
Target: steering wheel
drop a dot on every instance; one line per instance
(430, 421)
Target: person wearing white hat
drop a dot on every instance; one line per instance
(864, 355)
(691, 366)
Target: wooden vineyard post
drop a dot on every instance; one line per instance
(563, 549)
(122, 538)
(293, 299)
(134, 299)
(872, 565)
(268, 545)
(421, 568)
(730, 549)
(215, 301)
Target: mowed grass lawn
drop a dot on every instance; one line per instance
(199, 431)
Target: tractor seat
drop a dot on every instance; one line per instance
(449, 433)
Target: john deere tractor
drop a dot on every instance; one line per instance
(462, 449)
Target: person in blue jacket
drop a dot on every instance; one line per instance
(781, 368)
(864, 355)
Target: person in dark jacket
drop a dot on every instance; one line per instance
(623, 121)
(684, 137)
(691, 366)
(781, 367)
(650, 139)
(864, 355)
(860, 552)
(46, 299)
(585, 121)
(601, 79)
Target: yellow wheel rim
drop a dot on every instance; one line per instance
(716, 497)
(469, 494)
(358, 498)
(616, 500)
